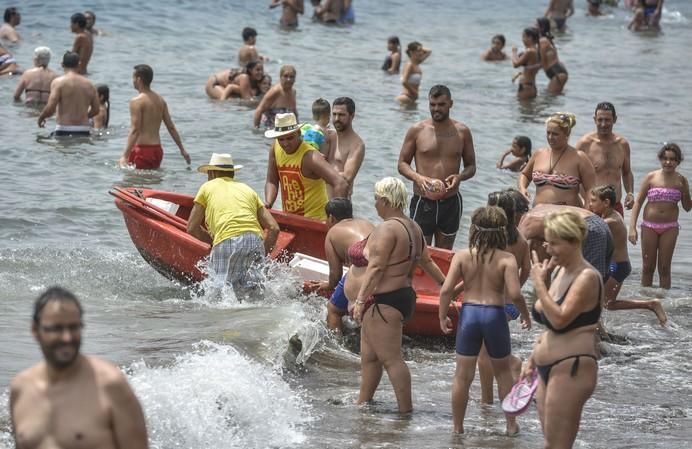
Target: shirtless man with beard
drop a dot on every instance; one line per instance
(438, 145)
(71, 400)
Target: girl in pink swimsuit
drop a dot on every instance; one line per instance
(662, 189)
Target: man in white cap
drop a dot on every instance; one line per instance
(301, 170)
(235, 218)
(36, 81)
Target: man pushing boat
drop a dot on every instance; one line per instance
(235, 217)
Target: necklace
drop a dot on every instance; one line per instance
(552, 166)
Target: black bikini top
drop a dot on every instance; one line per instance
(583, 319)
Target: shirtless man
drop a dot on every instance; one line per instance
(558, 11)
(610, 155)
(248, 52)
(83, 41)
(347, 149)
(36, 82)
(438, 146)
(8, 29)
(291, 9)
(75, 99)
(147, 111)
(70, 400)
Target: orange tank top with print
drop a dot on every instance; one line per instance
(299, 195)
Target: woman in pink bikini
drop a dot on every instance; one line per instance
(557, 171)
(662, 189)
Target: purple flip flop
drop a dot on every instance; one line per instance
(519, 398)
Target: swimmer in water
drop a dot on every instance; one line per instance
(495, 53)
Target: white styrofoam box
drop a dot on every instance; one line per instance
(163, 204)
(311, 268)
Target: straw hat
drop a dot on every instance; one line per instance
(283, 124)
(219, 162)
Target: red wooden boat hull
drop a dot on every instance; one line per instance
(160, 237)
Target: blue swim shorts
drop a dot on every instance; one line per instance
(481, 323)
(338, 297)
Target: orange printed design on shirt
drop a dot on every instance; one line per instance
(292, 190)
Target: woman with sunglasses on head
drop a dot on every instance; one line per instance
(662, 190)
(559, 170)
(412, 74)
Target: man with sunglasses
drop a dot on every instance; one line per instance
(300, 170)
(72, 400)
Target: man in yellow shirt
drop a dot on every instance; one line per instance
(235, 218)
(301, 170)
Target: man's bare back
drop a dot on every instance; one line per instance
(150, 107)
(78, 411)
(75, 98)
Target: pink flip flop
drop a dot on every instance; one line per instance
(519, 398)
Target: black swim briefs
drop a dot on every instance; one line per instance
(437, 215)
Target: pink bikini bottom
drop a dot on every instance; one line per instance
(660, 228)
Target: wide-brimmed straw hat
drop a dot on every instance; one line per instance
(283, 124)
(219, 162)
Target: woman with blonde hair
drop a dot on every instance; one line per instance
(378, 287)
(558, 170)
(490, 275)
(565, 354)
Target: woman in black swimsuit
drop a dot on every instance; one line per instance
(554, 69)
(378, 287)
(565, 354)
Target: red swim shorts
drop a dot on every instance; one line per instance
(146, 157)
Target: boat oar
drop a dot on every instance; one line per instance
(149, 208)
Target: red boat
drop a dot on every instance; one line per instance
(157, 223)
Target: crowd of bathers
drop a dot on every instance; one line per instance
(573, 242)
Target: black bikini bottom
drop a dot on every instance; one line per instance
(544, 370)
(403, 300)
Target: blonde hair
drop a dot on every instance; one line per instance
(565, 120)
(393, 191)
(566, 225)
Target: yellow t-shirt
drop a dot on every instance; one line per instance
(299, 195)
(230, 208)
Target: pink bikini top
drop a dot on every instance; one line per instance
(663, 194)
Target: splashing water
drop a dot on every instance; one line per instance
(215, 397)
